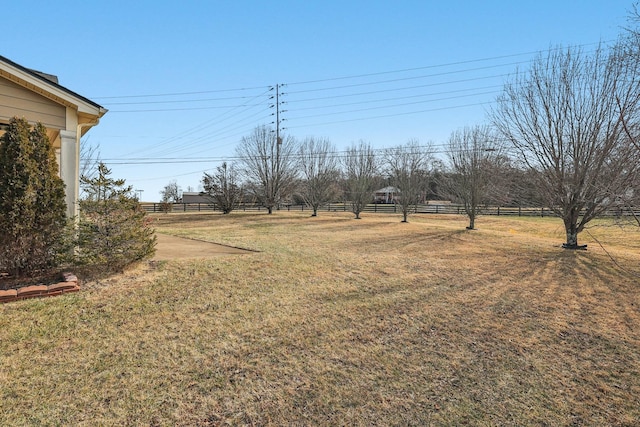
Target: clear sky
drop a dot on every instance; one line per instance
(184, 81)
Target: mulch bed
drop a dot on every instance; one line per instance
(8, 281)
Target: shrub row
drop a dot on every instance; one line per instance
(68, 284)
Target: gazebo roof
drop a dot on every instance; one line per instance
(389, 189)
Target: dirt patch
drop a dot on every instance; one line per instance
(172, 247)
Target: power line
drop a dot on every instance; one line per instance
(373, 92)
(394, 105)
(447, 64)
(429, 149)
(216, 121)
(176, 101)
(241, 116)
(157, 110)
(393, 115)
(200, 92)
(355, 76)
(447, 73)
(398, 98)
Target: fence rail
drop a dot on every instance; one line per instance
(382, 208)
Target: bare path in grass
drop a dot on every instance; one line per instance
(173, 247)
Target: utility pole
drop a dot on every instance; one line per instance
(278, 140)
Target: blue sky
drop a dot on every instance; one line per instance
(184, 81)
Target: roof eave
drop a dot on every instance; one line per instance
(56, 92)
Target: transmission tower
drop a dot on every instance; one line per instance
(277, 105)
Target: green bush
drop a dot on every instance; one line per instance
(113, 229)
(32, 205)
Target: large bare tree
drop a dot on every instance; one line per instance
(319, 167)
(360, 167)
(629, 46)
(629, 42)
(268, 164)
(566, 120)
(473, 155)
(407, 169)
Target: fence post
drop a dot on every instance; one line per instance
(519, 210)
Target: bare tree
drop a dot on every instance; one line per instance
(407, 168)
(171, 193)
(627, 50)
(319, 167)
(511, 185)
(268, 164)
(89, 159)
(472, 153)
(360, 169)
(634, 20)
(566, 121)
(224, 187)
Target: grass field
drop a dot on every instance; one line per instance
(336, 321)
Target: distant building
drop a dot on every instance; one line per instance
(386, 195)
(38, 97)
(196, 197)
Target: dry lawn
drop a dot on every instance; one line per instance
(337, 321)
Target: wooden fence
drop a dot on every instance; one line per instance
(381, 208)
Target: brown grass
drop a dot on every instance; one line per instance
(340, 322)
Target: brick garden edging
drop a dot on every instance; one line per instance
(69, 283)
